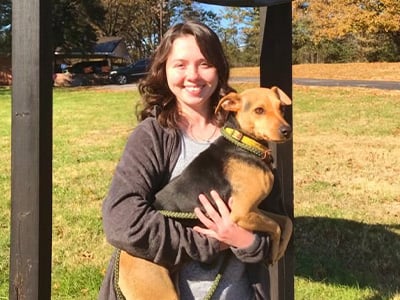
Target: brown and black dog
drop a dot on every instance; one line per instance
(237, 164)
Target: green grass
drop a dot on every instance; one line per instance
(347, 196)
(90, 131)
(5, 169)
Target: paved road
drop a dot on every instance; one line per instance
(385, 85)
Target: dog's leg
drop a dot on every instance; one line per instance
(286, 225)
(256, 221)
(278, 226)
(247, 195)
(139, 279)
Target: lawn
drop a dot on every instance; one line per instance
(347, 196)
(349, 71)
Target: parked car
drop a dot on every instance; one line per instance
(129, 73)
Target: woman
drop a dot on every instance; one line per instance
(188, 76)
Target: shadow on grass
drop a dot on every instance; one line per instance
(344, 252)
(5, 90)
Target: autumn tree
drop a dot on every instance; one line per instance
(332, 19)
(368, 25)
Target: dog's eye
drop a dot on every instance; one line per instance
(259, 110)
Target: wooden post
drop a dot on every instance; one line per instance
(31, 147)
(276, 70)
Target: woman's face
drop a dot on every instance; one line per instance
(190, 77)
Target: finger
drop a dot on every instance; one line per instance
(230, 203)
(211, 234)
(210, 210)
(204, 231)
(222, 207)
(203, 219)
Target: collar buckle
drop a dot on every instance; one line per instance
(236, 134)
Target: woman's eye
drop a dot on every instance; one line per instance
(259, 110)
(206, 64)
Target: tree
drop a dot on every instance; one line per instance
(5, 27)
(241, 35)
(182, 10)
(142, 22)
(76, 23)
(363, 23)
(137, 21)
(337, 18)
(251, 32)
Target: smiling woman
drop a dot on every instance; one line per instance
(187, 78)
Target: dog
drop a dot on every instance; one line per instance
(236, 164)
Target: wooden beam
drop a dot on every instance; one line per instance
(31, 147)
(276, 70)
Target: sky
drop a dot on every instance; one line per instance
(213, 8)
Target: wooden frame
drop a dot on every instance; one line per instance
(276, 69)
(31, 143)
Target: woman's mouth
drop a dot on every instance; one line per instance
(194, 90)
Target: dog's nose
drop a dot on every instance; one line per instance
(286, 131)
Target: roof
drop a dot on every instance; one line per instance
(105, 47)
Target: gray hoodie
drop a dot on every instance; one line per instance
(133, 225)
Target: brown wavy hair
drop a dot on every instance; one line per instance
(154, 89)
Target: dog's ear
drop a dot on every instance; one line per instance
(230, 102)
(281, 95)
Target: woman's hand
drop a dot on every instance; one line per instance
(219, 224)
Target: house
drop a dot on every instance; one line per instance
(79, 68)
(87, 68)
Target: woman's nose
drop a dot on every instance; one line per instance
(192, 72)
